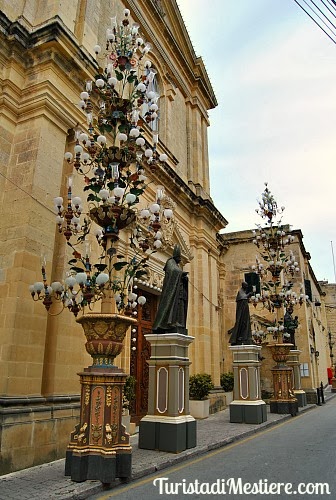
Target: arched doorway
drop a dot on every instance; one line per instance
(141, 353)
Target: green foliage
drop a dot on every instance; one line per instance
(199, 386)
(129, 391)
(227, 381)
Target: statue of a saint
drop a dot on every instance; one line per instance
(241, 333)
(290, 325)
(171, 316)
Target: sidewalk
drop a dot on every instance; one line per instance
(47, 481)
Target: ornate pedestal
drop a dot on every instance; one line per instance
(333, 384)
(284, 400)
(168, 426)
(99, 446)
(294, 363)
(247, 406)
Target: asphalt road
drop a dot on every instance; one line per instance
(300, 450)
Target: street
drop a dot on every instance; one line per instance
(299, 450)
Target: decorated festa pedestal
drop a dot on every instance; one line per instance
(247, 406)
(294, 363)
(284, 401)
(99, 446)
(168, 426)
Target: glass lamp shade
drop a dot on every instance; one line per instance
(163, 157)
(168, 213)
(104, 194)
(130, 198)
(157, 244)
(38, 286)
(151, 94)
(58, 201)
(145, 213)
(132, 296)
(122, 137)
(83, 137)
(81, 278)
(140, 141)
(101, 139)
(100, 83)
(76, 201)
(56, 286)
(31, 289)
(134, 132)
(112, 81)
(141, 87)
(85, 157)
(75, 221)
(70, 281)
(141, 300)
(118, 192)
(111, 200)
(84, 95)
(102, 278)
(154, 208)
(97, 49)
(59, 219)
(78, 149)
(68, 156)
(148, 153)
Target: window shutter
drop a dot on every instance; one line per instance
(252, 279)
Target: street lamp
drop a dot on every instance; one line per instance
(114, 152)
(276, 268)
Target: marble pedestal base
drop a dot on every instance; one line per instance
(247, 406)
(171, 434)
(168, 426)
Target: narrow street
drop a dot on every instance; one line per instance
(300, 450)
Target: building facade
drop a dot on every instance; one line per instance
(311, 336)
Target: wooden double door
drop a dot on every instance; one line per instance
(139, 356)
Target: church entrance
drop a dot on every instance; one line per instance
(139, 368)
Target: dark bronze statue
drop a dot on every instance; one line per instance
(290, 325)
(241, 333)
(171, 316)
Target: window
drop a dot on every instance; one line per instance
(308, 289)
(252, 279)
(304, 370)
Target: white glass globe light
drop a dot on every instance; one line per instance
(81, 278)
(102, 278)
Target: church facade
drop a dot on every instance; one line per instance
(46, 57)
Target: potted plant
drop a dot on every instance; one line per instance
(199, 387)
(227, 382)
(128, 399)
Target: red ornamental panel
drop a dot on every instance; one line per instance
(97, 416)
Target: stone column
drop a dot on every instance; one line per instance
(247, 406)
(168, 426)
(293, 361)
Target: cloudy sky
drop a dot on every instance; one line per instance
(274, 75)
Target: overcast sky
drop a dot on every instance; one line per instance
(274, 75)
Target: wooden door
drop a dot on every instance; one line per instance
(141, 353)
